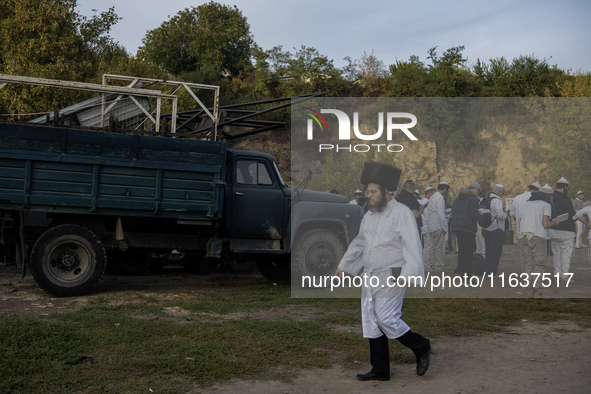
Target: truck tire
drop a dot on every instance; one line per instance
(317, 253)
(274, 268)
(67, 260)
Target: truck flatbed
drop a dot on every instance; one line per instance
(60, 169)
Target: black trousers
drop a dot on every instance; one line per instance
(379, 356)
(493, 242)
(379, 352)
(466, 249)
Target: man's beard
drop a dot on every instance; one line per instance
(378, 206)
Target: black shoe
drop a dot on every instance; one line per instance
(372, 376)
(423, 361)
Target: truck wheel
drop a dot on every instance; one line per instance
(274, 268)
(317, 253)
(67, 260)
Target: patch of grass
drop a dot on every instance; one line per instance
(469, 316)
(257, 330)
(134, 355)
(340, 318)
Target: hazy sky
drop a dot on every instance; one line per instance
(558, 31)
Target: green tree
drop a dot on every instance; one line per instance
(211, 36)
(526, 76)
(281, 73)
(449, 76)
(49, 39)
(446, 76)
(38, 38)
(493, 77)
(311, 71)
(579, 85)
(409, 78)
(263, 79)
(370, 77)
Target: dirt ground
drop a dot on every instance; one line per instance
(527, 358)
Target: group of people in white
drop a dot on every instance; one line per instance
(547, 221)
(403, 235)
(543, 214)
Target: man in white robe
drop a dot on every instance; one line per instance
(578, 204)
(387, 247)
(435, 227)
(517, 213)
(535, 220)
(581, 215)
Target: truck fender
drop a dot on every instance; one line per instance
(343, 219)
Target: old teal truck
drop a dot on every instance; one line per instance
(70, 199)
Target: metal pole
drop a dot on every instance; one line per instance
(158, 104)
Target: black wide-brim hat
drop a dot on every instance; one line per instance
(385, 175)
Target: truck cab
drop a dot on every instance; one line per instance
(256, 214)
(266, 219)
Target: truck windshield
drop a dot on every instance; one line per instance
(278, 174)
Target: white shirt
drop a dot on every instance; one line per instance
(497, 213)
(518, 203)
(386, 239)
(424, 202)
(532, 218)
(434, 218)
(578, 203)
(585, 211)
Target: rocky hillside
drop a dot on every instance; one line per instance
(509, 157)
